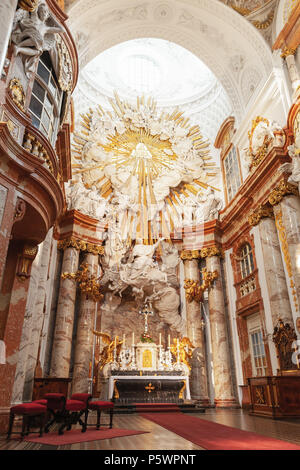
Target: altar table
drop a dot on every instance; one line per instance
(151, 382)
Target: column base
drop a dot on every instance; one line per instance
(226, 403)
(203, 403)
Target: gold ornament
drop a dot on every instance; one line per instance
(286, 51)
(282, 189)
(260, 213)
(194, 291)
(203, 253)
(87, 283)
(107, 354)
(80, 245)
(28, 5)
(182, 349)
(16, 91)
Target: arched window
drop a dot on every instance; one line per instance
(46, 99)
(246, 260)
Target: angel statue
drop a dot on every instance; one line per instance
(107, 355)
(184, 349)
(32, 34)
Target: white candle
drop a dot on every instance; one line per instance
(123, 340)
(160, 339)
(133, 338)
(169, 340)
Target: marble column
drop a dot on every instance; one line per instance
(274, 269)
(7, 13)
(198, 383)
(293, 71)
(287, 215)
(13, 299)
(84, 339)
(224, 396)
(62, 341)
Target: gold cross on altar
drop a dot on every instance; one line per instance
(150, 387)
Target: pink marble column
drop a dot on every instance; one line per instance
(13, 298)
(195, 333)
(275, 275)
(62, 342)
(85, 338)
(224, 396)
(288, 212)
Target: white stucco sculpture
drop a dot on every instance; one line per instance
(34, 33)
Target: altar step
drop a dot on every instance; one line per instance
(157, 408)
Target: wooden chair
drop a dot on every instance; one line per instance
(31, 412)
(100, 406)
(65, 412)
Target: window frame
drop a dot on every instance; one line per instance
(56, 102)
(258, 353)
(248, 256)
(225, 176)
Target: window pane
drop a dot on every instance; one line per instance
(232, 173)
(38, 91)
(52, 87)
(45, 120)
(35, 121)
(43, 72)
(36, 106)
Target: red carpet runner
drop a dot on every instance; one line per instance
(213, 436)
(75, 436)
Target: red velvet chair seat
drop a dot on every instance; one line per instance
(99, 406)
(29, 411)
(75, 405)
(41, 402)
(66, 412)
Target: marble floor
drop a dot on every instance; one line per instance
(158, 438)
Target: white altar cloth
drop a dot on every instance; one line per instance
(148, 377)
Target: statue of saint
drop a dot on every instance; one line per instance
(32, 35)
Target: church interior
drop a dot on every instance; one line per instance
(149, 225)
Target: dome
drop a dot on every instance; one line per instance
(154, 67)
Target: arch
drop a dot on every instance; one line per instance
(225, 41)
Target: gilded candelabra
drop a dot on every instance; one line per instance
(87, 283)
(194, 290)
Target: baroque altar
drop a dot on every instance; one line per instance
(145, 371)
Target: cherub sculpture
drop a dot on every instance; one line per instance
(107, 354)
(32, 34)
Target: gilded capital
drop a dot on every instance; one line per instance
(286, 51)
(259, 213)
(203, 253)
(211, 251)
(80, 245)
(282, 189)
(189, 254)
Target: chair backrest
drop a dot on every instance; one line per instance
(55, 401)
(84, 397)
